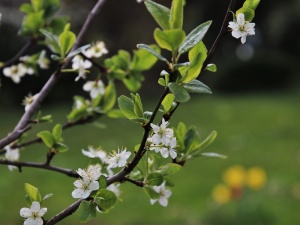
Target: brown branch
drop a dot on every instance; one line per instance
(222, 33)
(45, 166)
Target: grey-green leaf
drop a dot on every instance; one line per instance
(196, 86)
(160, 13)
(181, 94)
(148, 48)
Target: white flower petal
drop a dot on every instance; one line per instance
(25, 212)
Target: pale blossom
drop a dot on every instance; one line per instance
(162, 134)
(118, 159)
(93, 172)
(15, 72)
(12, 155)
(28, 100)
(80, 65)
(164, 194)
(33, 214)
(43, 61)
(169, 149)
(241, 28)
(95, 153)
(96, 50)
(84, 187)
(95, 88)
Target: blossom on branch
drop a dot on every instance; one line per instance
(28, 100)
(43, 61)
(88, 183)
(80, 65)
(96, 50)
(12, 155)
(164, 194)
(33, 214)
(241, 28)
(95, 88)
(15, 72)
(118, 159)
(95, 153)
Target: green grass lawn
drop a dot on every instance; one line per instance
(260, 130)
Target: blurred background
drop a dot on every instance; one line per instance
(254, 108)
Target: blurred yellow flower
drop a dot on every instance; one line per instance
(256, 178)
(235, 176)
(221, 194)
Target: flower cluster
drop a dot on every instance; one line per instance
(28, 100)
(95, 88)
(80, 65)
(96, 50)
(163, 140)
(164, 194)
(12, 155)
(118, 159)
(236, 178)
(88, 182)
(241, 28)
(33, 214)
(26, 66)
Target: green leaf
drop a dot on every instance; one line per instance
(194, 37)
(105, 199)
(110, 97)
(176, 15)
(50, 7)
(36, 5)
(26, 8)
(152, 51)
(57, 24)
(47, 196)
(57, 132)
(60, 147)
(211, 67)
(52, 40)
(87, 211)
(249, 13)
(144, 59)
(102, 182)
(169, 39)
(162, 82)
(32, 23)
(196, 86)
(168, 101)
(169, 169)
(47, 138)
(190, 139)
(181, 95)
(155, 179)
(66, 40)
(151, 193)
(180, 134)
(252, 4)
(138, 106)
(115, 113)
(126, 105)
(132, 83)
(33, 193)
(208, 140)
(160, 13)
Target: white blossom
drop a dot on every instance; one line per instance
(241, 28)
(118, 159)
(95, 153)
(84, 187)
(12, 155)
(80, 64)
(162, 134)
(92, 173)
(169, 149)
(33, 214)
(15, 72)
(96, 50)
(28, 100)
(43, 61)
(164, 195)
(95, 88)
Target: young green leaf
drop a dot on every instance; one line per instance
(160, 13)
(168, 101)
(57, 132)
(138, 106)
(169, 169)
(196, 86)
(194, 37)
(102, 182)
(211, 67)
(155, 179)
(126, 105)
(176, 15)
(66, 40)
(211, 155)
(152, 51)
(87, 211)
(47, 138)
(37, 5)
(60, 147)
(169, 39)
(143, 59)
(110, 97)
(33, 193)
(181, 95)
(105, 199)
(151, 193)
(52, 40)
